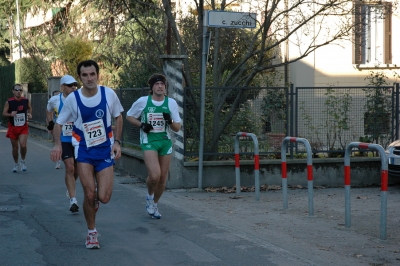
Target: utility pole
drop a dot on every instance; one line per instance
(169, 34)
(11, 25)
(18, 31)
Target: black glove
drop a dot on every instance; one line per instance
(50, 126)
(146, 127)
(167, 117)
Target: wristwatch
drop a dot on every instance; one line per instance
(119, 142)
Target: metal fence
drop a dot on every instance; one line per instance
(332, 117)
(261, 111)
(39, 105)
(328, 117)
(130, 134)
(7, 80)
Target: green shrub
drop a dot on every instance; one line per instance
(27, 70)
(73, 51)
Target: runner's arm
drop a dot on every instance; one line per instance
(133, 120)
(118, 127)
(29, 110)
(175, 126)
(49, 118)
(116, 149)
(5, 110)
(176, 119)
(57, 149)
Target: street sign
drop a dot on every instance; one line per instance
(223, 19)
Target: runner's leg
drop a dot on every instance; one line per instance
(23, 138)
(86, 173)
(105, 181)
(153, 169)
(70, 180)
(14, 144)
(164, 167)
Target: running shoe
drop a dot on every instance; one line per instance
(58, 164)
(73, 205)
(149, 206)
(16, 168)
(91, 241)
(156, 214)
(23, 166)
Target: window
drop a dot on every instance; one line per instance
(373, 33)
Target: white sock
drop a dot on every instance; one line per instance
(150, 196)
(92, 231)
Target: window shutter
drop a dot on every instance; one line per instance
(357, 35)
(388, 33)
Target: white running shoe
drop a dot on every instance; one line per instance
(58, 164)
(16, 168)
(91, 241)
(23, 166)
(149, 206)
(156, 214)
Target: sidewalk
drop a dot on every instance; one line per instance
(322, 236)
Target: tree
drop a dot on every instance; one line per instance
(378, 107)
(238, 59)
(115, 39)
(52, 40)
(301, 22)
(8, 17)
(130, 35)
(72, 51)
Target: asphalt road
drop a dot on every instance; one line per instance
(197, 227)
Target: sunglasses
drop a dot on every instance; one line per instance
(17, 89)
(71, 85)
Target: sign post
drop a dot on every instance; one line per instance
(217, 19)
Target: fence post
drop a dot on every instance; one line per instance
(293, 126)
(310, 181)
(256, 163)
(384, 183)
(122, 133)
(396, 110)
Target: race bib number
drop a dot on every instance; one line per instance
(94, 132)
(19, 120)
(67, 129)
(157, 121)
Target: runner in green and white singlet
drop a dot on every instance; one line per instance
(155, 115)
